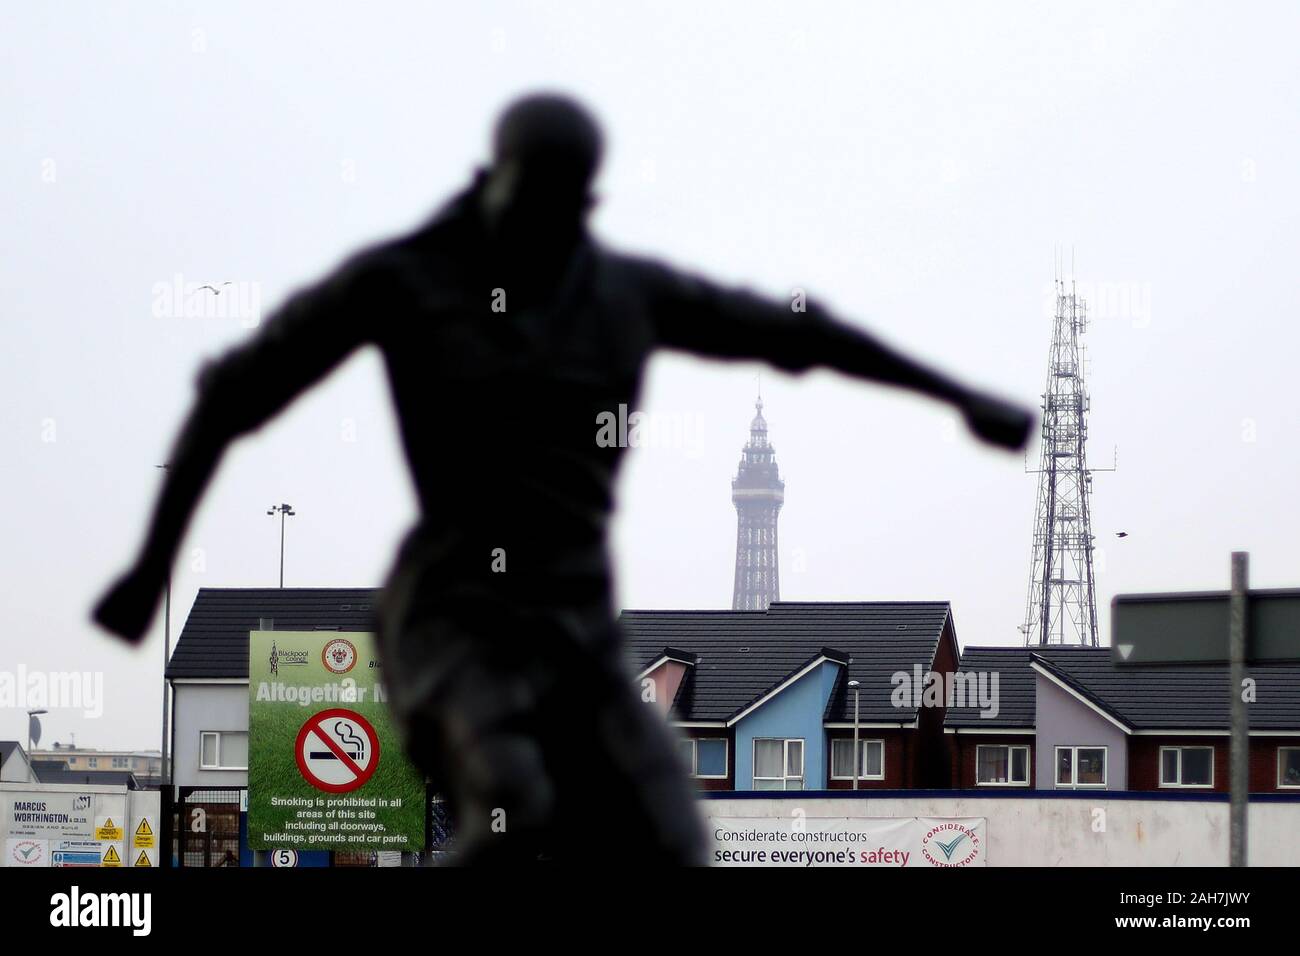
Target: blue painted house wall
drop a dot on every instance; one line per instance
(797, 711)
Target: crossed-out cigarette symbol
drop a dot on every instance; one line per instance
(349, 738)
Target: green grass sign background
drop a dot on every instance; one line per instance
(273, 772)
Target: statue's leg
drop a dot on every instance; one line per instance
(623, 796)
(527, 720)
(469, 709)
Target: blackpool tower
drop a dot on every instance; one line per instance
(758, 492)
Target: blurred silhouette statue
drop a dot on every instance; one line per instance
(508, 331)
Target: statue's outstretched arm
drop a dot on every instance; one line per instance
(698, 316)
(305, 339)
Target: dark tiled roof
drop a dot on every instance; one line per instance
(214, 640)
(1166, 697)
(743, 655)
(1015, 688)
(1179, 696)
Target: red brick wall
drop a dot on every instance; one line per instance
(932, 768)
(899, 768)
(1263, 763)
(961, 754)
(1144, 761)
(914, 759)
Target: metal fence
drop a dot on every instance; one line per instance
(205, 826)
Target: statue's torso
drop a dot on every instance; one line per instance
(505, 399)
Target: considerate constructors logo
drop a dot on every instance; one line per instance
(950, 844)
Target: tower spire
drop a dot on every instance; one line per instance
(758, 492)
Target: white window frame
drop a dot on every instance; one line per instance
(695, 758)
(1029, 771)
(218, 734)
(862, 742)
(1160, 769)
(1280, 784)
(785, 762)
(1074, 767)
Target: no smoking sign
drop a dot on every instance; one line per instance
(337, 750)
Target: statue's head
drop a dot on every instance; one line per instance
(545, 152)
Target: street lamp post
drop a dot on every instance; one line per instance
(283, 511)
(167, 650)
(32, 736)
(855, 687)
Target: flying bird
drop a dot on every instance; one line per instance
(215, 290)
(1121, 534)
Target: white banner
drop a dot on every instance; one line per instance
(42, 826)
(802, 840)
(45, 815)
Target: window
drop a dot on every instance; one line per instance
(1081, 766)
(1001, 765)
(93, 761)
(223, 750)
(705, 757)
(871, 759)
(778, 764)
(1186, 766)
(120, 763)
(1288, 766)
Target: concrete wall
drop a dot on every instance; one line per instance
(1062, 830)
(200, 707)
(795, 712)
(1062, 720)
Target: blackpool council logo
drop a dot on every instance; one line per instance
(339, 656)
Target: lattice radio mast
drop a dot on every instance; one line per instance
(1062, 603)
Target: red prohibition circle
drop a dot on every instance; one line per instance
(313, 725)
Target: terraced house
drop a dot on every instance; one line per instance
(1069, 719)
(765, 700)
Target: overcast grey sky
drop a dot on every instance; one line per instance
(915, 166)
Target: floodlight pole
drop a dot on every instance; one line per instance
(163, 777)
(282, 510)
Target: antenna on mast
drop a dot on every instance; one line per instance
(1061, 607)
